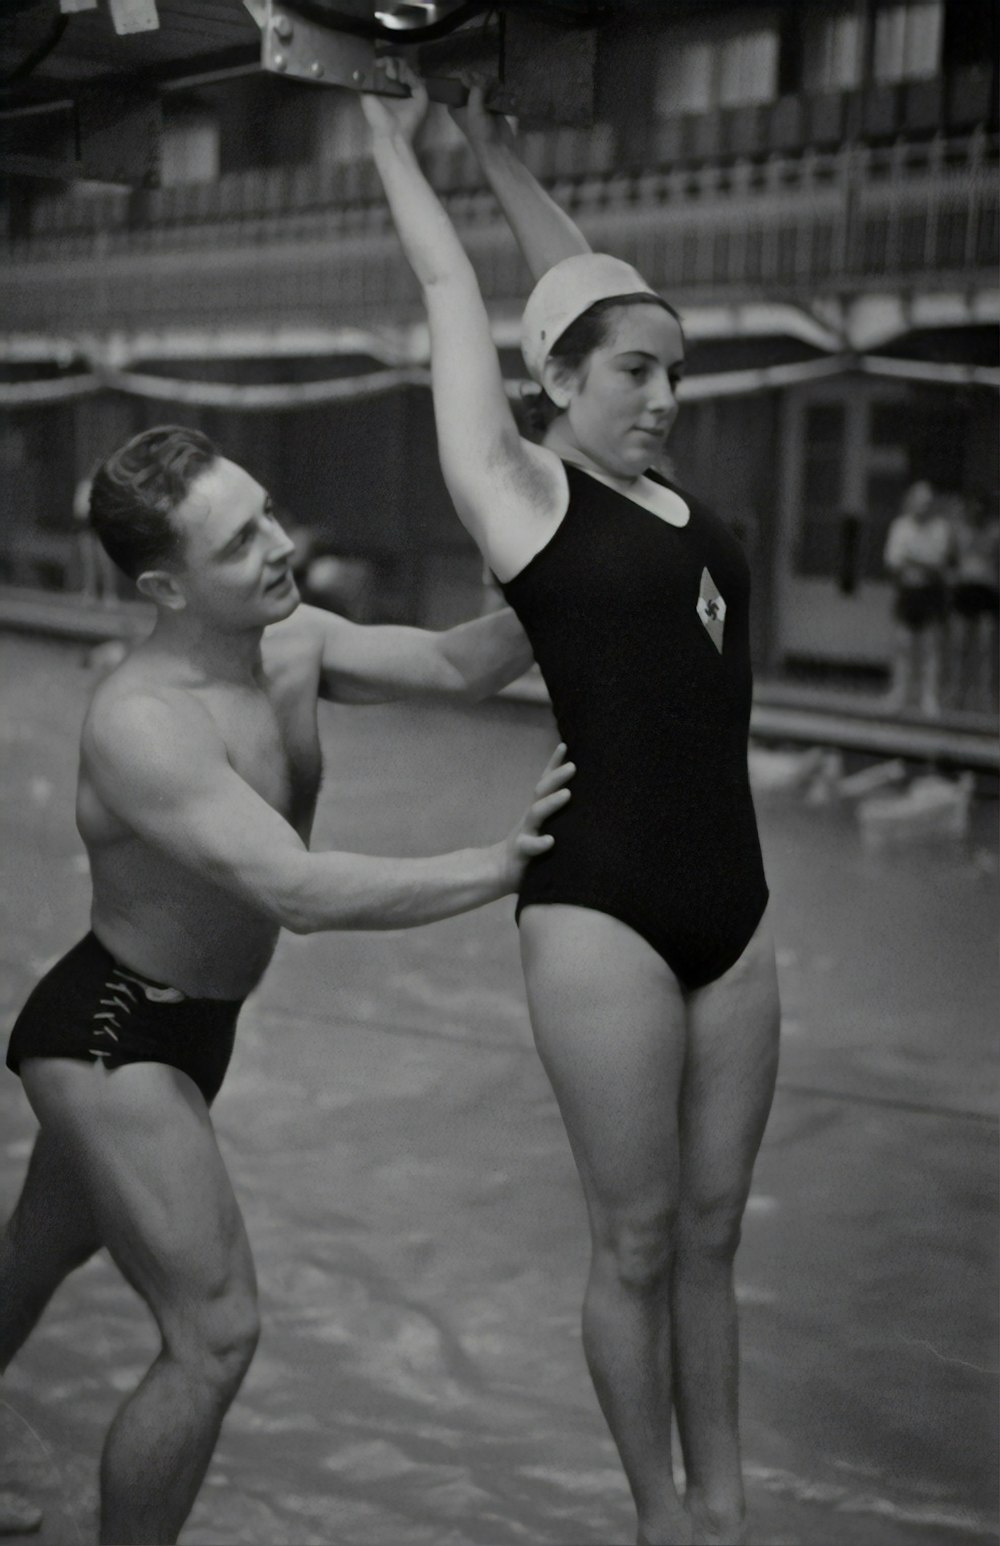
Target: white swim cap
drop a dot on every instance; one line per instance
(565, 292)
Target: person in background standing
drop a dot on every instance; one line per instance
(975, 604)
(918, 553)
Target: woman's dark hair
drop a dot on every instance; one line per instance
(573, 347)
(138, 487)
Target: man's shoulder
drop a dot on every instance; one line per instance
(299, 649)
(298, 640)
(133, 710)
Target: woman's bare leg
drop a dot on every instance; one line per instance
(608, 1017)
(729, 1076)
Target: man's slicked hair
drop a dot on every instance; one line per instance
(136, 490)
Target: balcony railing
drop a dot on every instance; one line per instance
(292, 244)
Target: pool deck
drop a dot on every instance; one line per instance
(415, 1215)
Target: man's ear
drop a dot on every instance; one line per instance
(557, 382)
(161, 586)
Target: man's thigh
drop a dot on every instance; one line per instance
(145, 1151)
(52, 1224)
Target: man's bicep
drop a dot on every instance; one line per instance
(376, 663)
(175, 788)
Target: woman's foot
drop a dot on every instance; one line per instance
(675, 1531)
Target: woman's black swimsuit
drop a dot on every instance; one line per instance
(641, 631)
(90, 1006)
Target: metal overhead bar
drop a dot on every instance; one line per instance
(123, 55)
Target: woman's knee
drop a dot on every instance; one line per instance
(637, 1246)
(711, 1228)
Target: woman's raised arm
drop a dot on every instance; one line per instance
(543, 231)
(497, 480)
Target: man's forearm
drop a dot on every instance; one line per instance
(487, 653)
(357, 891)
(543, 231)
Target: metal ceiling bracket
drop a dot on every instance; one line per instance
(304, 50)
(134, 16)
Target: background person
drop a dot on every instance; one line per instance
(918, 554)
(974, 603)
(199, 772)
(648, 956)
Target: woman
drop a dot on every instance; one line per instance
(647, 955)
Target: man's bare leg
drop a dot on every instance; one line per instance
(934, 666)
(50, 1232)
(608, 1018)
(144, 1148)
(901, 684)
(729, 1076)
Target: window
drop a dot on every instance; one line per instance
(342, 134)
(907, 44)
(189, 152)
(685, 84)
(834, 52)
(698, 75)
(748, 69)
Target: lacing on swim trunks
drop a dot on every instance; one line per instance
(123, 1000)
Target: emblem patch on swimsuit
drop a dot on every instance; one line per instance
(711, 609)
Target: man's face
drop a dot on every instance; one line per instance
(921, 500)
(236, 569)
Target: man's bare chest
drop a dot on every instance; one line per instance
(272, 742)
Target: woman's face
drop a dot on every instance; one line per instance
(622, 400)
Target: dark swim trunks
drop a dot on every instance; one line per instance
(89, 1006)
(641, 630)
(917, 606)
(971, 598)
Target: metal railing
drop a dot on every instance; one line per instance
(295, 243)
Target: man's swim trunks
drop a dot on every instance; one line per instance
(91, 1007)
(641, 631)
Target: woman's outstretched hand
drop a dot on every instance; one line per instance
(484, 131)
(397, 115)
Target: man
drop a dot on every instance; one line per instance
(200, 766)
(919, 552)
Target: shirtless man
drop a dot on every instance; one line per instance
(200, 766)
